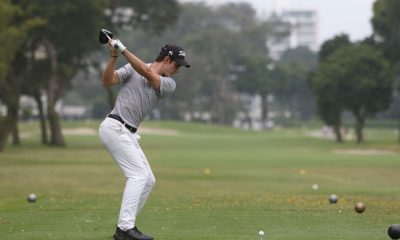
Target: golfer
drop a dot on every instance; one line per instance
(143, 85)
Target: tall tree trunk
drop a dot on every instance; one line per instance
(217, 104)
(10, 92)
(14, 111)
(55, 129)
(16, 139)
(338, 133)
(56, 137)
(9, 121)
(7, 126)
(264, 109)
(295, 109)
(359, 126)
(42, 119)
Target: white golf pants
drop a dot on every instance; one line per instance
(124, 147)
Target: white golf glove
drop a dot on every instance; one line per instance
(117, 44)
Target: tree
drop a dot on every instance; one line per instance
(386, 26)
(292, 88)
(361, 80)
(326, 86)
(254, 78)
(332, 45)
(14, 31)
(62, 49)
(151, 16)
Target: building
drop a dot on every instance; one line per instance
(303, 27)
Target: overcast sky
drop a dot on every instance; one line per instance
(336, 16)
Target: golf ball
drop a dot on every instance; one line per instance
(394, 231)
(32, 198)
(359, 207)
(261, 233)
(333, 198)
(315, 186)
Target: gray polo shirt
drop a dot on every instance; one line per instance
(137, 98)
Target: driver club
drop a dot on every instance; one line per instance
(105, 36)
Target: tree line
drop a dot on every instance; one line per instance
(47, 42)
(53, 51)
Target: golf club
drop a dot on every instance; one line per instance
(105, 36)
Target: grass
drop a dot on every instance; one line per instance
(257, 181)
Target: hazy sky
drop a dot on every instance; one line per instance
(336, 16)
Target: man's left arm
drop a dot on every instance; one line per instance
(141, 67)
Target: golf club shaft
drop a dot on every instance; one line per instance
(106, 34)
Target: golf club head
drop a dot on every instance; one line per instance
(104, 36)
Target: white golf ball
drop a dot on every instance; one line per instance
(261, 233)
(32, 198)
(315, 186)
(333, 198)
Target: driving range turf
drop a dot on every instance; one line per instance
(211, 183)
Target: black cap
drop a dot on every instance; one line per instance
(176, 53)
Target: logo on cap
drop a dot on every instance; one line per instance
(175, 53)
(182, 53)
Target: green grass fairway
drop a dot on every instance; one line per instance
(213, 183)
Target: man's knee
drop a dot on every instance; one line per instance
(151, 180)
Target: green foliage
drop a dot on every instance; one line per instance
(328, 94)
(353, 77)
(14, 31)
(291, 82)
(69, 24)
(364, 76)
(386, 24)
(151, 16)
(253, 76)
(299, 55)
(331, 45)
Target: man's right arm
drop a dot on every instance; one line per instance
(110, 77)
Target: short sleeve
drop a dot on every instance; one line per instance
(125, 72)
(167, 86)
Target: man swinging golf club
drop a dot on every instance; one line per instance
(143, 85)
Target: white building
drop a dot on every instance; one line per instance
(303, 27)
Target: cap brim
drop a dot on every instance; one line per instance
(182, 63)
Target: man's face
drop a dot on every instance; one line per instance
(170, 67)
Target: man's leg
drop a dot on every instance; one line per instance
(150, 182)
(130, 201)
(126, 152)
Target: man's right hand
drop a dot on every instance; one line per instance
(117, 44)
